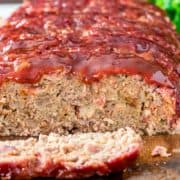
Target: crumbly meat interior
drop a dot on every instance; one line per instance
(62, 104)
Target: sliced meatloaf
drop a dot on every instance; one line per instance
(70, 66)
(72, 156)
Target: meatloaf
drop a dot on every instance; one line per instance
(70, 66)
(71, 156)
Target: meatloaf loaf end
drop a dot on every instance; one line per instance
(72, 156)
(88, 66)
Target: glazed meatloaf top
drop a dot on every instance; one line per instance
(90, 39)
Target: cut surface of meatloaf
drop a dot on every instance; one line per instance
(62, 104)
(72, 156)
(88, 66)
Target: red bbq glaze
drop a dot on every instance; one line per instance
(90, 39)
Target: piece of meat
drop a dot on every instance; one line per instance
(72, 156)
(71, 66)
(160, 151)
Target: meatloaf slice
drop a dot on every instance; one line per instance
(72, 156)
(71, 66)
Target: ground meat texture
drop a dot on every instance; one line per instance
(79, 155)
(88, 66)
(63, 104)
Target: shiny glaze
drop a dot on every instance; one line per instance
(90, 39)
